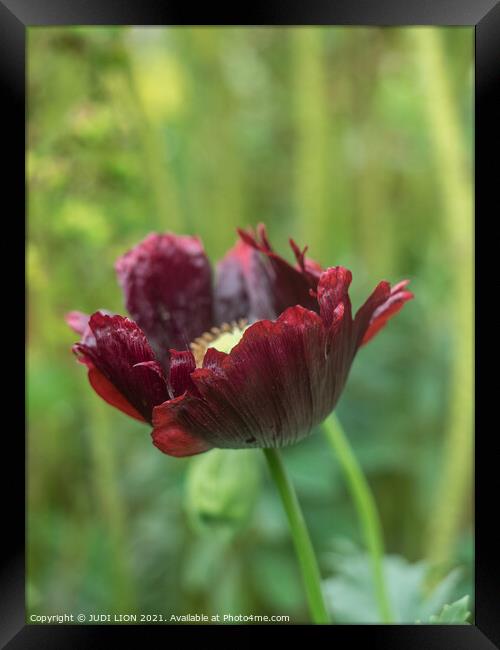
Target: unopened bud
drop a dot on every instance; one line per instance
(221, 489)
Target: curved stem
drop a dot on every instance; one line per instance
(366, 509)
(300, 536)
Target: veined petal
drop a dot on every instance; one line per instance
(333, 296)
(242, 288)
(166, 280)
(288, 285)
(381, 305)
(182, 364)
(335, 309)
(110, 394)
(281, 379)
(172, 439)
(119, 357)
(79, 323)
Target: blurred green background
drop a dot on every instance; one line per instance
(357, 142)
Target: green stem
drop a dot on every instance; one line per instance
(112, 511)
(163, 193)
(300, 536)
(312, 176)
(366, 509)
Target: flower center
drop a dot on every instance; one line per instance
(222, 338)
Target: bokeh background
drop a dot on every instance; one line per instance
(357, 142)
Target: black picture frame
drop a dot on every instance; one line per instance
(15, 17)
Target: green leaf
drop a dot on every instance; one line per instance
(351, 598)
(457, 612)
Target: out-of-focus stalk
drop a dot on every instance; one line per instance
(312, 183)
(454, 176)
(370, 152)
(109, 502)
(163, 190)
(215, 187)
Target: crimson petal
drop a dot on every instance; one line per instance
(381, 305)
(110, 394)
(176, 441)
(116, 355)
(182, 364)
(79, 323)
(242, 288)
(167, 284)
(282, 378)
(333, 296)
(288, 285)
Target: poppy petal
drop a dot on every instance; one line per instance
(333, 296)
(109, 393)
(166, 280)
(182, 364)
(280, 380)
(381, 305)
(79, 323)
(242, 288)
(117, 350)
(174, 440)
(288, 285)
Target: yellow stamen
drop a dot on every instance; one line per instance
(222, 338)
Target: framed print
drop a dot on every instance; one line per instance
(252, 294)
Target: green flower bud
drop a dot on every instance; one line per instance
(221, 490)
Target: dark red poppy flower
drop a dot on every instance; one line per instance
(256, 358)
